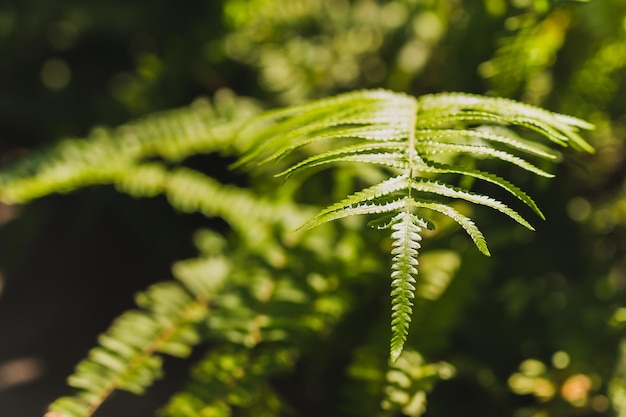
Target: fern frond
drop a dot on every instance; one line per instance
(172, 136)
(129, 354)
(402, 134)
(256, 328)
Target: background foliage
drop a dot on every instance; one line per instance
(535, 330)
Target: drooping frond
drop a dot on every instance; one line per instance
(105, 153)
(406, 229)
(129, 354)
(419, 141)
(255, 318)
(119, 156)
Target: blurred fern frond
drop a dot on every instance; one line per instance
(105, 154)
(414, 139)
(233, 376)
(407, 382)
(523, 62)
(300, 53)
(129, 355)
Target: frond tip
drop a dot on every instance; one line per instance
(406, 236)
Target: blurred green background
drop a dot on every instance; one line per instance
(537, 328)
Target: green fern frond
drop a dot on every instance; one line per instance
(403, 135)
(129, 354)
(186, 189)
(105, 153)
